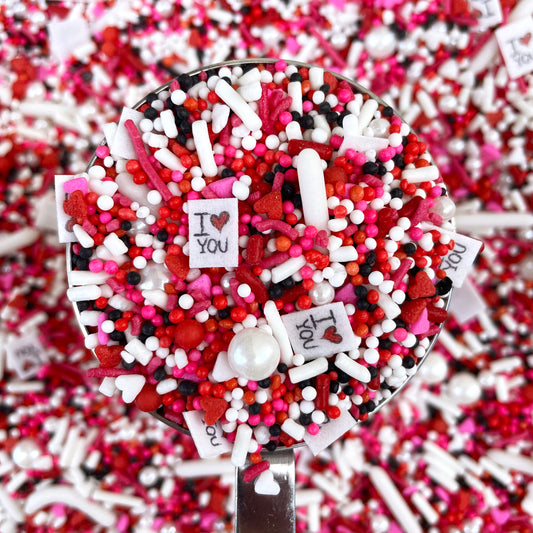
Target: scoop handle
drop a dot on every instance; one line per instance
(264, 513)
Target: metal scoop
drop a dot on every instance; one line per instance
(258, 513)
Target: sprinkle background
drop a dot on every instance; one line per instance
(66, 68)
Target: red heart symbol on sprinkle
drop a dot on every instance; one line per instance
(219, 221)
(525, 39)
(421, 286)
(271, 204)
(178, 265)
(412, 310)
(331, 335)
(214, 409)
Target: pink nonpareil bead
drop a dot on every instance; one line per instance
(295, 250)
(310, 232)
(313, 428)
(306, 243)
(102, 151)
(277, 404)
(285, 160)
(96, 265)
(111, 267)
(306, 272)
(147, 253)
(269, 420)
(288, 207)
(105, 217)
(148, 311)
(253, 420)
(416, 234)
(195, 355)
(371, 230)
(285, 118)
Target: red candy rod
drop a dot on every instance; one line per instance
(138, 145)
(323, 150)
(322, 390)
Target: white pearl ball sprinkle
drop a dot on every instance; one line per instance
(253, 354)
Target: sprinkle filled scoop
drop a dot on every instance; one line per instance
(259, 248)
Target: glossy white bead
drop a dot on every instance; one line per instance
(444, 207)
(25, 453)
(254, 354)
(434, 369)
(464, 388)
(322, 293)
(380, 42)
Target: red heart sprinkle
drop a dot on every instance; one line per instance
(331, 335)
(421, 286)
(271, 204)
(219, 221)
(109, 356)
(437, 314)
(412, 310)
(178, 265)
(75, 206)
(148, 399)
(214, 409)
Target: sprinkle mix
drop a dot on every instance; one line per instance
(453, 452)
(269, 255)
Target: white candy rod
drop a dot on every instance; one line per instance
(312, 189)
(139, 351)
(489, 221)
(169, 159)
(239, 106)
(17, 240)
(512, 461)
(419, 175)
(11, 506)
(204, 468)
(83, 237)
(308, 370)
(86, 277)
(168, 123)
(66, 495)
(204, 148)
(293, 429)
(352, 368)
(115, 245)
(394, 500)
(278, 331)
(241, 444)
(294, 90)
(117, 498)
(84, 292)
(290, 267)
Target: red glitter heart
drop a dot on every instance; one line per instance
(331, 335)
(75, 206)
(421, 286)
(412, 310)
(214, 408)
(109, 356)
(219, 221)
(525, 39)
(271, 204)
(437, 314)
(178, 265)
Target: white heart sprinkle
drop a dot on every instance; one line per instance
(266, 484)
(130, 385)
